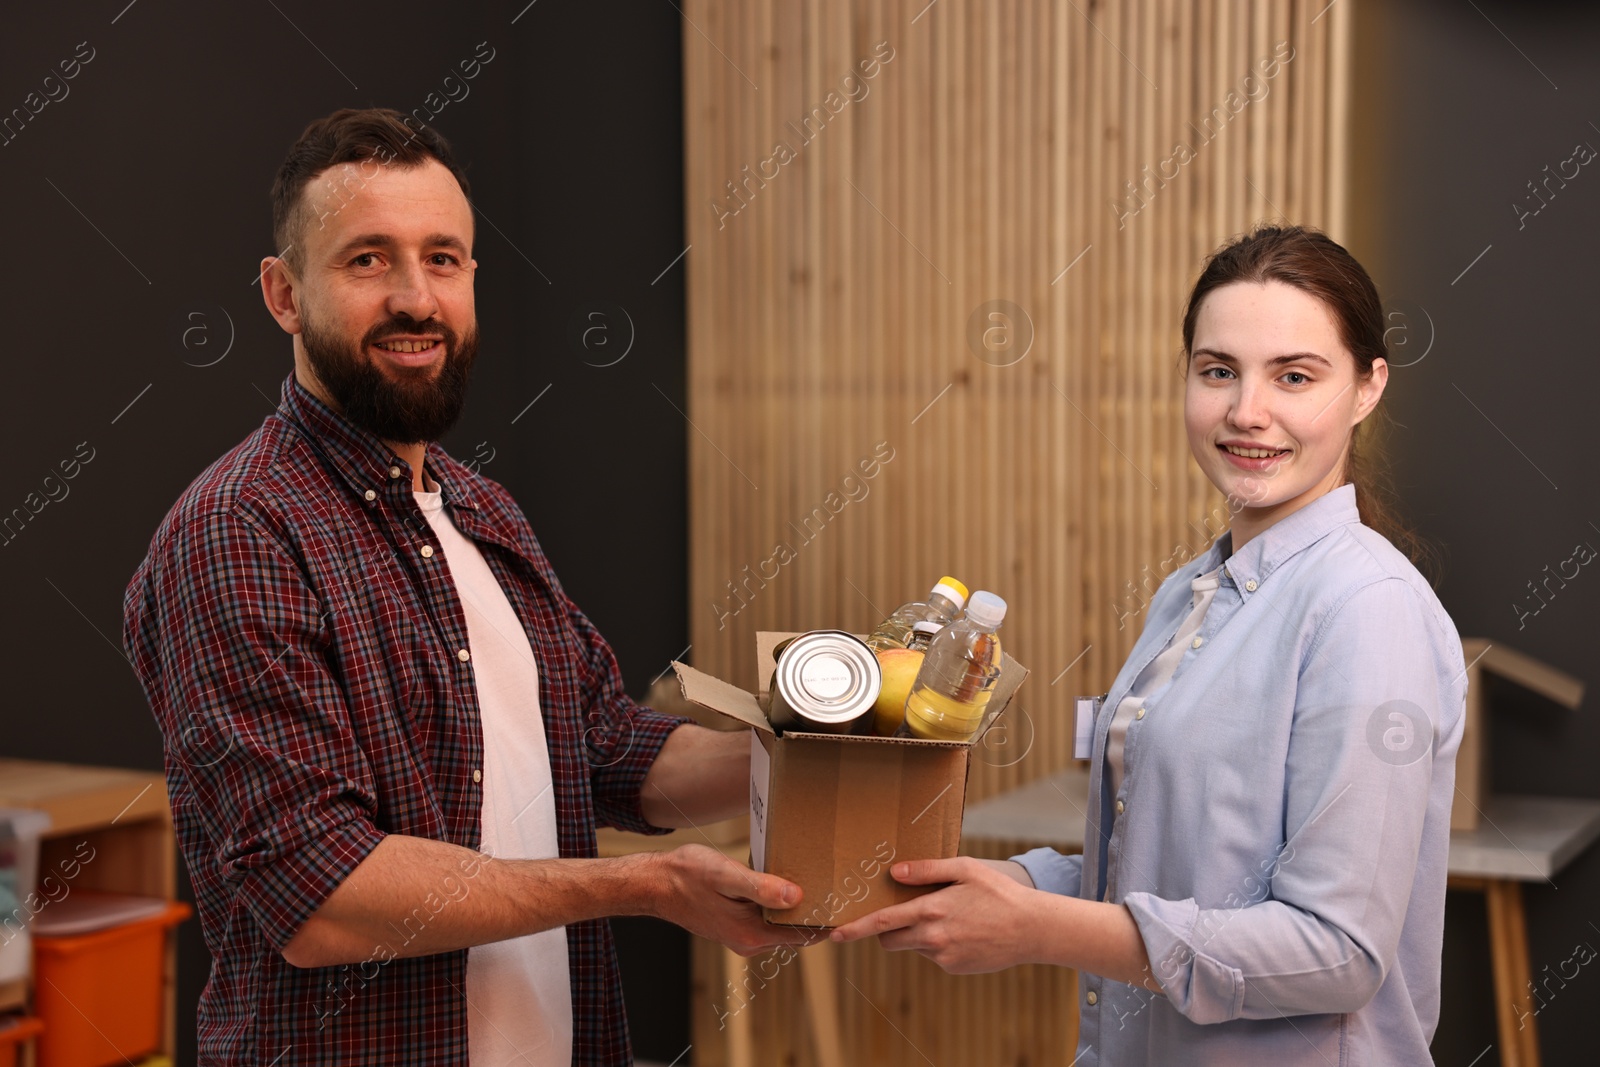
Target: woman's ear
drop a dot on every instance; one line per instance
(1370, 390)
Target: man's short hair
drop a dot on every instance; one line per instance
(374, 137)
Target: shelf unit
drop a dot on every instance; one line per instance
(124, 816)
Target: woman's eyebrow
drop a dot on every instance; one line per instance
(1292, 357)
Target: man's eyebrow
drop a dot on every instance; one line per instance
(383, 240)
(1275, 361)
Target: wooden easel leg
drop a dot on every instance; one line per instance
(1508, 949)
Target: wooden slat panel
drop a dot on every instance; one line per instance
(831, 313)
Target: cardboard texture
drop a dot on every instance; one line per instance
(1472, 759)
(832, 812)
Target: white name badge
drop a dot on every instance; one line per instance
(1087, 709)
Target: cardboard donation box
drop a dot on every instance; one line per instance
(1472, 759)
(832, 812)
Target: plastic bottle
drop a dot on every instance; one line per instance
(943, 607)
(958, 674)
(922, 634)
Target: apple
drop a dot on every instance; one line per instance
(899, 667)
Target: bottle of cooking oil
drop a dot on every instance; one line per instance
(958, 674)
(943, 606)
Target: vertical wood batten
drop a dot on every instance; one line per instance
(1002, 141)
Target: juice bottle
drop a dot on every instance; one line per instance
(958, 674)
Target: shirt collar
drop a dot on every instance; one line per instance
(1253, 564)
(361, 459)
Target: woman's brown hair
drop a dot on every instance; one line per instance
(1315, 264)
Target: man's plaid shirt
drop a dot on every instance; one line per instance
(305, 654)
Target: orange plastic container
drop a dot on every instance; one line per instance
(100, 994)
(12, 1037)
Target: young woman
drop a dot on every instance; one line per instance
(1272, 773)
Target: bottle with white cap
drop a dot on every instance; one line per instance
(923, 631)
(958, 674)
(943, 606)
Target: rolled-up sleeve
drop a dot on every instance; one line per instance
(1323, 932)
(1052, 871)
(255, 722)
(621, 739)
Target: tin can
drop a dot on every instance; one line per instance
(825, 682)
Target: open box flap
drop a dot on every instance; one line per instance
(1012, 675)
(716, 695)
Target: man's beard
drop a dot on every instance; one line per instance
(405, 405)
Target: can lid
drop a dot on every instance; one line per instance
(952, 589)
(828, 677)
(986, 609)
(825, 677)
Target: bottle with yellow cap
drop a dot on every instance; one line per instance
(943, 606)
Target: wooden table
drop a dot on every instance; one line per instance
(1519, 839)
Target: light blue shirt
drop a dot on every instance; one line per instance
(1282, 830)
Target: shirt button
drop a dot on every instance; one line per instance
(1093, 998)
(1197, 642)
(1121, 807)
(1250, 586)
(463, 655)
(427, 551)
(477, 776)
(370, 495)
(1139, 714)
(394, 472)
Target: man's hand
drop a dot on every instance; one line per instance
(412, 896)
(982, 921)
(714, 897)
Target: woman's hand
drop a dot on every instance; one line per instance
(980, 922)
(990, 917)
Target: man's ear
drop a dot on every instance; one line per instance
(278, 286)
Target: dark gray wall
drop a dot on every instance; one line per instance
(1495, 440)
(136, 210)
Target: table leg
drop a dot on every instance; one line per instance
(1508, 947)
(819, 970)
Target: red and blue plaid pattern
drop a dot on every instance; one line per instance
(300, 643)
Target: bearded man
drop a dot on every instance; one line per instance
(389, 735)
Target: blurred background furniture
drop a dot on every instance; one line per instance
(123, 816)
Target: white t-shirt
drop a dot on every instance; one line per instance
(519, 1000)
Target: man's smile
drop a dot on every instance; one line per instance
(410, 352)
